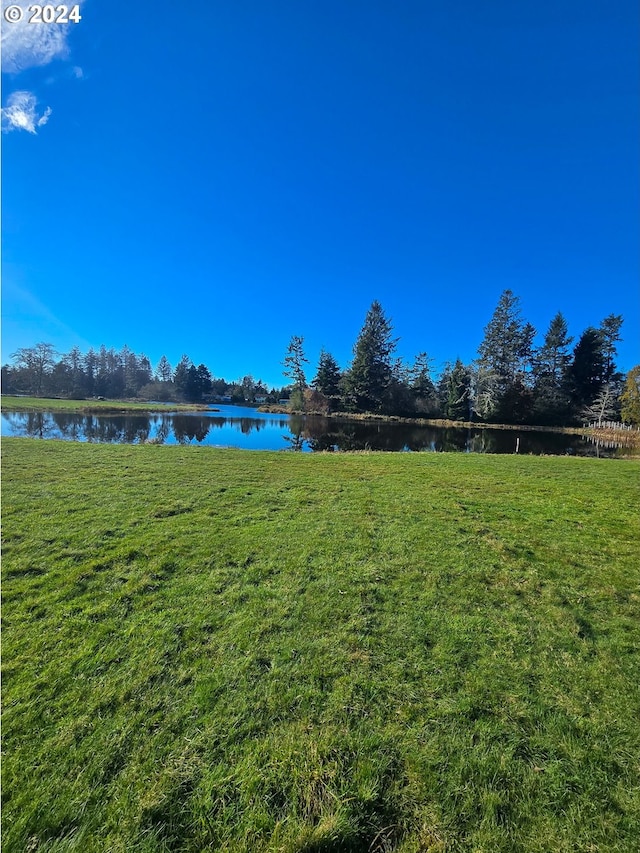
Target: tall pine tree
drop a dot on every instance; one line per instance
(327, 378)
(610, 334)
(370, 377)
(585, 374)
(294, 362)
(423, 391)
(457, 406)
(164, 372)
(551, 400)
(503, 363)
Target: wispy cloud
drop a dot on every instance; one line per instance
(26, 317)
(21, 113)
(26, 45)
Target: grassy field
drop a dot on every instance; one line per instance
(52, 404)
(212, 650)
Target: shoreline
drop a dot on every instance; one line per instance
(11, 403)
(443, 422)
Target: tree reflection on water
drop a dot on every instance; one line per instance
(297, 432)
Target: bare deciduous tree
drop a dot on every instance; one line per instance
(37, 361)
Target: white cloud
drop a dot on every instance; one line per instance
(26, 45)
(20, 113)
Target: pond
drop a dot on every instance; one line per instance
(242, 427)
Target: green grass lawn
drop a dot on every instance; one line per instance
(50, 404)
(211, 650)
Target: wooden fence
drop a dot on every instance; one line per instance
(615, 425)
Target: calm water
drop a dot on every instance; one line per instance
(238, 426)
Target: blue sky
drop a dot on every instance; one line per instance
(213, 178)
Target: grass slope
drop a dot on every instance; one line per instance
(231, 651)
(54, 404)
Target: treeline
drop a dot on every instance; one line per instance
(511, 381)
(122, 374)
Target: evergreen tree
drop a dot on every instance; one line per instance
(551, 401)
(525, 367)
(442, 388)
(248, 384)
(327, 378)
(164, 373)
(630, 397)
(9, 377)
(458, 393)
(193, 391)
(182, 378)
(585, 374)
(90, 367)
(102, 373)
(73, 361)
(504, 360)
(423, 391)
(115, 373)
(610, 334)
(370, 376)
(107, 373)
(401, 399)
(419, 376)
(294, 362)
(552, 358)
(507, 339)
(203, 381)
(144, 373)
(129, 363)
(59, 380)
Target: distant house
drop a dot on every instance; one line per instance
(283, 402)
(260, 399)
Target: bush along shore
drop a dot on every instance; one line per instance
(443, 422)
(619, 433)
(214, 650)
